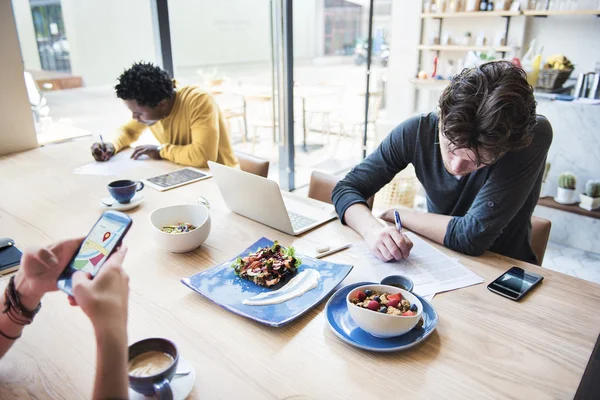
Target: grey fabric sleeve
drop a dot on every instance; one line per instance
(501, 197)
(393, 155)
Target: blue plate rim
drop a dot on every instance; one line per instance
(236, 311)
(387, 350)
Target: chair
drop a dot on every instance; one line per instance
(252, 164)
(540, 233)
(352, 115)
(321, 186)
(233, 107)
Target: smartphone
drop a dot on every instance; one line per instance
(106, 236)
(515, 283)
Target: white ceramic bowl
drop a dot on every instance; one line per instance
(383, 325)
(194, 214)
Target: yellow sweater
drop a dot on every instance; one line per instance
(194, 130)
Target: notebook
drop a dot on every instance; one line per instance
(10, 258)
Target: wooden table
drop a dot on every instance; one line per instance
(485, 346)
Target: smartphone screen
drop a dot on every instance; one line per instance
(103, 239)
(515, 283)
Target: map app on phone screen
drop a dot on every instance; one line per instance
(102, 240)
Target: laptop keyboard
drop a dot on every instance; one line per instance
(300, 221)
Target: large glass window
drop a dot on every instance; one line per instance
(73, 52)
(330, 84)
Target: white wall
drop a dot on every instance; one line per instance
(17, 132)
(26, 33)
(577, 37)
(403, 61)
(107, 36)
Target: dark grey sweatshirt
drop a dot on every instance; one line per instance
(491, 207)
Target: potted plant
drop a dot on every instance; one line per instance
(590, 200)
(566, 188)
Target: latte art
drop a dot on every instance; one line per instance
(149, 363)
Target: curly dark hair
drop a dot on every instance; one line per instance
(490, 110)
(145, 83)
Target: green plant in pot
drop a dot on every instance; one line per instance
(590, 199)
(566, 188)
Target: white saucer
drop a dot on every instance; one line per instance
(135, 201)
(180, 385)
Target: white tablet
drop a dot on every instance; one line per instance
(176, 178)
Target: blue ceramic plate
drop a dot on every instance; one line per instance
(220, 285)
(342, 324)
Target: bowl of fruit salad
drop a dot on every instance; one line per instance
(384, 311)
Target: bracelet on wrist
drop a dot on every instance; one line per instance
(13, 307)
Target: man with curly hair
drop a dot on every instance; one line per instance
(480, 161)
(186, 121)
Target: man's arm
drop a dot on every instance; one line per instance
(205, 136)
(127, 134)
(350, 194)
(432, 226)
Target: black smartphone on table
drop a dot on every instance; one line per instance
(515, 283)
(104, 238)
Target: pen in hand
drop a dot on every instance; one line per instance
(398, 221)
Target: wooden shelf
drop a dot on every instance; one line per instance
(472, 14)
(535, 13)
(451, 47)
(433, 84)
(572, 208)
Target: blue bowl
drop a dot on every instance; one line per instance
(399, 281)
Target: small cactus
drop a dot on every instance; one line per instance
(592, 188)
(567, 180)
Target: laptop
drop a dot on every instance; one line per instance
(261, 200)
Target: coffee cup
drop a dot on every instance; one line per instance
(151, 367)
(123, 191)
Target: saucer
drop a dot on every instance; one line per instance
(180, 385)
(344, 327)
(135, 201)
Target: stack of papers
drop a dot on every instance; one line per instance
(431, 270)
(120, 164)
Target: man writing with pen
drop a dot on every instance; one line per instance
(186, 121)
(480, 161)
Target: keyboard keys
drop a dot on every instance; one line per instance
(300, 221)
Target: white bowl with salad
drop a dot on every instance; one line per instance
(181, 228)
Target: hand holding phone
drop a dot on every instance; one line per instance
(515, 283)
(104, 238)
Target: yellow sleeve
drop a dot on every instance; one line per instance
(205, 133)
(127, 134)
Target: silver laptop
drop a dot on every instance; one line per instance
(261, 199)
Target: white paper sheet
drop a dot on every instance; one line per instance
(431, 270)
(119, 164)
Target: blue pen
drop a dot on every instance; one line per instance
(398, 221)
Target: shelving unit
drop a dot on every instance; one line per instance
(432, 85)
(473, 14)
(451, 47)
(542, 14)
